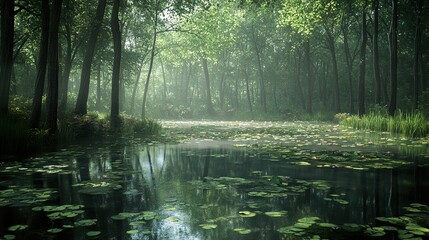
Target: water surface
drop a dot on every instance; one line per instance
(219, 187)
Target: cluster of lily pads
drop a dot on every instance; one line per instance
(266, 186)
(65, 215)
(299, 134)
(23, 196)
(138, 220)
(408, 226)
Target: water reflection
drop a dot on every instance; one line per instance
(163, 179)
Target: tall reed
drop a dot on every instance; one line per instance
(408, 124)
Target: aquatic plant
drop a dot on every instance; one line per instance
(408, 124)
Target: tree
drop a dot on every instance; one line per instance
(73, 40)
(81, 102)
(393, 58)
(152, 56)
(209, 103)
(52, 96)
(36, 108)
(417, 54)
(6, 52)
(114, 111)
(375, 52)
(361, 95)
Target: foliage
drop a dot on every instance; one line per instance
(408, 124)
(134, 126)
(17, 138)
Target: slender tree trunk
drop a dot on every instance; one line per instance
(114, 111)
(331, 46)
(261, 77)
(152, 56)
(187, 81)
(298, 81)
(417, 54)
(82, 98)
(349, 62)
(53, 69)
(98, 96)
(309, 78)
(361, 96)
(375, 54)
(67, 69)
(164, 92)
(136, 84)
(237, 95)
(36, 108)
(209, 103)
(393, 58)
(222, 90)
(249, 100)
(6, 52)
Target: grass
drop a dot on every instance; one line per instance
(413, 125)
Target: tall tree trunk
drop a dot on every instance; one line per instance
(249, 100)
(261, 77)
(98, 94)
(152, 56)
(222, 90)
(53, 69)
(417, 54)
(298, 80)
(309, 77)
(82, 98)
(36, 108)
(209, 103)
(6, 52)
(375, 54)
(393, 58)
(331, 46)
(114, 110)
(164, 92)
(67, 69)
(349, 62)
(361, 96)
(136, 84)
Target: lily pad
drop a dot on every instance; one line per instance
(275, 214)
(208, 226)
(17, 227)
(243, 230)
(134, 231)
(55, 230)
(247, 214)
(93, 233)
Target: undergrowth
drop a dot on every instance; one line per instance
(408, 124)
(16, 138)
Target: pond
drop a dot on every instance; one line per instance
(223, 180)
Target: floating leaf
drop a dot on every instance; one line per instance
(137, 223)
(85, 222)
(242, 230)
(275, 214)
(55, 230)
(247, 214)
(134, 231)
(208, 226)
(17, 227)
(93, 233)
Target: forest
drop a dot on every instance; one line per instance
(214, 119)
(287, 59)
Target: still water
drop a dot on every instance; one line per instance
(200, 190)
